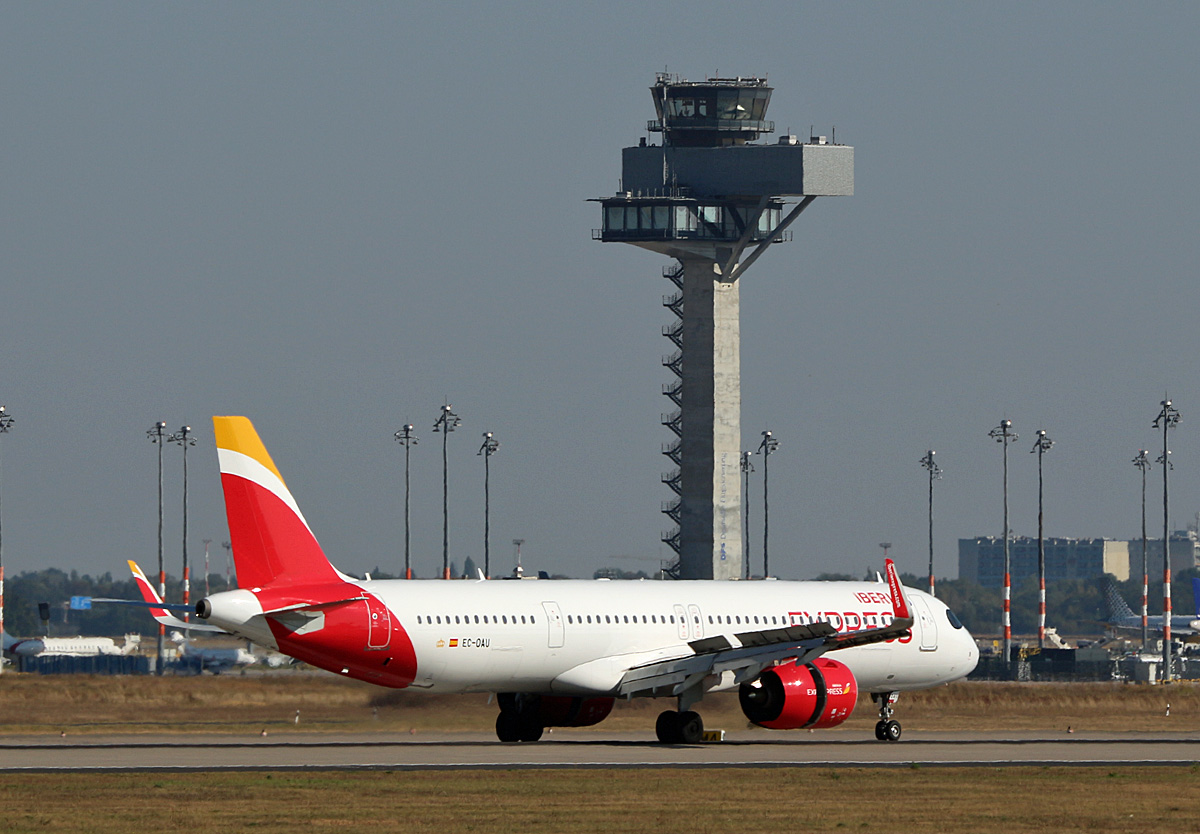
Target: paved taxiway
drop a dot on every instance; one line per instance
(563, 749)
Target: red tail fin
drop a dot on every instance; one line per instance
(272, 543)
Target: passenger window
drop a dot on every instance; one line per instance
(456, 621)
(532, 619)
(672, 619)
(589, 616)
(606, 619)
(710, 622)
(439, 620)
(477, 619)
(626, 618)
(504, 619)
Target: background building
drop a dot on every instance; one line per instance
(982, 559)
(1185, 553)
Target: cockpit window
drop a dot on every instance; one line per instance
(953, 618)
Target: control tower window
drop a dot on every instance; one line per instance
(662, 217)
(645, 217)
(684, 108)
(614, 218)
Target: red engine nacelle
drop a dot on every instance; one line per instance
(788, 697)
(567, 711)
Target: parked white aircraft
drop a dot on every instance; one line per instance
(73, 646)
(558, 653)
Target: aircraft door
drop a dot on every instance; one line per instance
(379, 624)
(695, 625)
(682, 620)
(929, 635)
(554, 619)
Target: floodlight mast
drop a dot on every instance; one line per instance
(935, 473)
(407, 439)
(158, 436)
(1041, 446)
(184, 438)
(1004, 435)
(489, 448)
(1142, 462)
(446, 422)
(1167, 419)
(6, 422)
(768, 447)
(714, 200)
(747, 468)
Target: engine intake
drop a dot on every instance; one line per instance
(818, 694)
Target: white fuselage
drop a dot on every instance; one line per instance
(579, 637)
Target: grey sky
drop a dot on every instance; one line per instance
(329, 217)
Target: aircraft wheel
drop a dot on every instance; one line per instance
(508, 726)
(667, 727)
(691, 727)
(891, 730)
(881, 731)
(531, 731)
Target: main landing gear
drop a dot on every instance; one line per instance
(518, 719)
(680, 727)
(888, 729)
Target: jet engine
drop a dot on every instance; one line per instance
(788, 697)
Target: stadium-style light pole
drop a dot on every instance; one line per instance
(935, 473)
(228, 546)
(489, 447)
(446, 422)
(1168, 418)
(407, 439)
(1004, 435)
(158, 436)
(767, 448)
(184, 438)
(1142, 462)
(6, 421)
(747, 468)
(1041, 446)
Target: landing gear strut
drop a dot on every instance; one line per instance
(680, 727)
(518, 719)
(888, 729)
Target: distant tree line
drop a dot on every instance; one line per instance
(23, 593)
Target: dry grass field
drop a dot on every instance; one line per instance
(916, 800)
(31, 704)
(911, 799)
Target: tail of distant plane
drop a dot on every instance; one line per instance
(1196, 594)
(158, 609)
(1118, 608)
(272, 542)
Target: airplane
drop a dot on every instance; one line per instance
(560, 652)
(67, 646)
(213, 660)
(1121, 616)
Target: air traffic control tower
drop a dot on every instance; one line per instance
(714, 199)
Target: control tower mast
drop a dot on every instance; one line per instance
(714, 200)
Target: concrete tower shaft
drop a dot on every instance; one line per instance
(714, 201)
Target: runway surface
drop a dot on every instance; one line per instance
(564, 749)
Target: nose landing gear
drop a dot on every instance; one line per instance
(888, 729)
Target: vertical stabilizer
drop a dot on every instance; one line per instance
(272, 543)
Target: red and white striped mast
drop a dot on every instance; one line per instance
(6, 422)
(1168, 418)
(1003, 435)
(1142, 462)
(1041, 445)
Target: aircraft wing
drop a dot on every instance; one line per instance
(758, 650)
